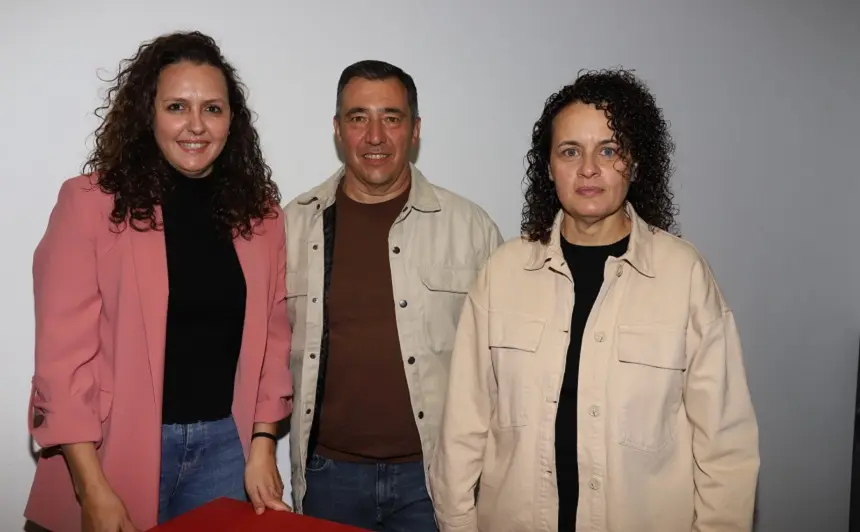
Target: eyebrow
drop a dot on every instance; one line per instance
(566, 143)
(386, 110)
(185, 100)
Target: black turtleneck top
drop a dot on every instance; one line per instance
(586, 264)
(206, 306)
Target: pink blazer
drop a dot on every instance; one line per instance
(101, 307)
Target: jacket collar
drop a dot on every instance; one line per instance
(639, 253)
(422, 197)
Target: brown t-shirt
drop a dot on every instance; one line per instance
(366, 411)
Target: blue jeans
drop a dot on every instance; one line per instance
(381, 497)
(200, 462)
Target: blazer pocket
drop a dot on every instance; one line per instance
(514, 339)
(651, 376)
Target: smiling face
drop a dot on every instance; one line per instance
(192, 116)
(376, 134)
(586, 165)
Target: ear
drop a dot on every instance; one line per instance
(631, 175)
(416, 130)
(336, 125)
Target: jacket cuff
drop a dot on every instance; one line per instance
(53, 423)
(273, 410)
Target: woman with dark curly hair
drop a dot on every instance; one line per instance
(162, 338)
(597, 380)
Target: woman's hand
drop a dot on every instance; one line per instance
(262, 479)
(103, 511)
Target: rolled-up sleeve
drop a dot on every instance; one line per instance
(64, 398)
(275, 395)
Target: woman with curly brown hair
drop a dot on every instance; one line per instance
(162, 339)
(597, 380)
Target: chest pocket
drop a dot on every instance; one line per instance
(445, 291)
(297, 294)
(514, 339)
(650, 383)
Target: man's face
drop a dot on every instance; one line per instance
(375, 131)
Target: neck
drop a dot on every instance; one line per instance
(600, 232)
(363, 192)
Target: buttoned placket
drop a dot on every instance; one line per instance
(594, 368)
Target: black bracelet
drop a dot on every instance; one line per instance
(265, 435)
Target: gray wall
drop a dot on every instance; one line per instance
(764, 106)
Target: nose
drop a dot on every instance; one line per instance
(589, 167)
(195, 123)
(375, 134)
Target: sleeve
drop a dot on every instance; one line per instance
(64, 398)
(720, 410)
(275, 395)
(458, 457)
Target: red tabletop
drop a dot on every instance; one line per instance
(229, 515)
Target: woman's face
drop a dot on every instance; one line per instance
(585, 164)
(192, 116)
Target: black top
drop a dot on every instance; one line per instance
(586, 264)
(206, 307)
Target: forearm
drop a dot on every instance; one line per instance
(87, 474)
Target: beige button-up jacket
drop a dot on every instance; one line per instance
(438, 244)
(668, 439)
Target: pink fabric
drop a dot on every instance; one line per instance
(101, 307)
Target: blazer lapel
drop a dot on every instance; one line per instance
(150, 264)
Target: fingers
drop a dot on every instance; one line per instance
(277, 504)
(257, 500)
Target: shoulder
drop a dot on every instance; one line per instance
(83, 190)
(678, 259)
(274, 225)
(80, 198)
(457, 205)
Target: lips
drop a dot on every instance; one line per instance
(193, 146)
(589, 191)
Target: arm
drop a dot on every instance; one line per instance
(64, 400)
(275, 395)
(459, 454)
(717, 399)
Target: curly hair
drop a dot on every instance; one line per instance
(130, 166)
(644, 143)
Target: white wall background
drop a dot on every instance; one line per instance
(762, 99)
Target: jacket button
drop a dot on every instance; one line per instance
(396, 250)
(599, 336)
(403, 303)
(411, 360)
(313, 355)
(421, 415)
(315, 247)
(308, 411)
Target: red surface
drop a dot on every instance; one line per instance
(229, 515)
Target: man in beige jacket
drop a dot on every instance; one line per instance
(597, 380)
(379, 261)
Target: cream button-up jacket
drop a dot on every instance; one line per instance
(667, 435)
(437, 245)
